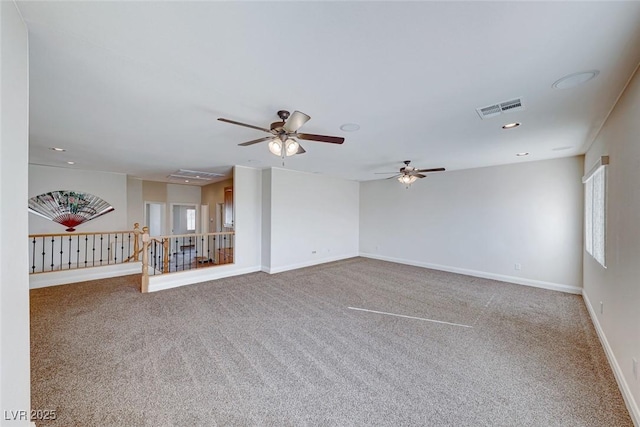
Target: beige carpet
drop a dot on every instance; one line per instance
(285, 349)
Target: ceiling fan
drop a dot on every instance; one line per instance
(283, 134)
(408, 174)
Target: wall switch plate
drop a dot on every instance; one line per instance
(517, 266)
(313, 252)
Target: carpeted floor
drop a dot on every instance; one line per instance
(285, 349)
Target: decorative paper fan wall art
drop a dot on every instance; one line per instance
(69, 208)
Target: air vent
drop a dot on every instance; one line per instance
(195, 175)
(499, 108)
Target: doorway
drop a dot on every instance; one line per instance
(184, 218)
(154, 214)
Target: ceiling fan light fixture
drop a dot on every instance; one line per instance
(291, 146)
(407, 179)
(275, 146)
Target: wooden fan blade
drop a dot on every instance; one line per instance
(321, 138)
(295, 121)
(419, 175)
(384, 173)
(301, 150)
(394, 176)
(430, 170)
(255, 141)
(233, 122)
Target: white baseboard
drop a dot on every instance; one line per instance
(174, 280)
(161, 282)
(54, 278)
(632, 406)
(483, 274)
(273, 270)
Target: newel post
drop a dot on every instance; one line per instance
(136, 242)
(165, 250)
(145, 260)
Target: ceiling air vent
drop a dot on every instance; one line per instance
(499, 108)
(195, 175)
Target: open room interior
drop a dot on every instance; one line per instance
(328, 225)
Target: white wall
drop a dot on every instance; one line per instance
(184, 194)
(135, 203)
(618, 286)
(482, 222)
(247, 195)
(178, 194)
(311, 213)
(110, 187)
(14, 150)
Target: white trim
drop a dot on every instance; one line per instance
(161, 282)
(54, 278)
(485, 275)
(632, 406)
(602, 162)
(273, 270)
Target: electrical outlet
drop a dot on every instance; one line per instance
(634, 363)
(517, 266)
(601, 307)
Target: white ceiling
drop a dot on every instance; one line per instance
(136, 87)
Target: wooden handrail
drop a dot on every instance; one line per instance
(135, 257)
(171, 236)
(81, 234)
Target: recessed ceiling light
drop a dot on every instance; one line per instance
(57, 149)
(186, 180)
(511, 125)
(575, 79)
(71, 163)
(350, 127)
(522, 154)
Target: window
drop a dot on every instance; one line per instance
(191, 219)
(595, 209)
